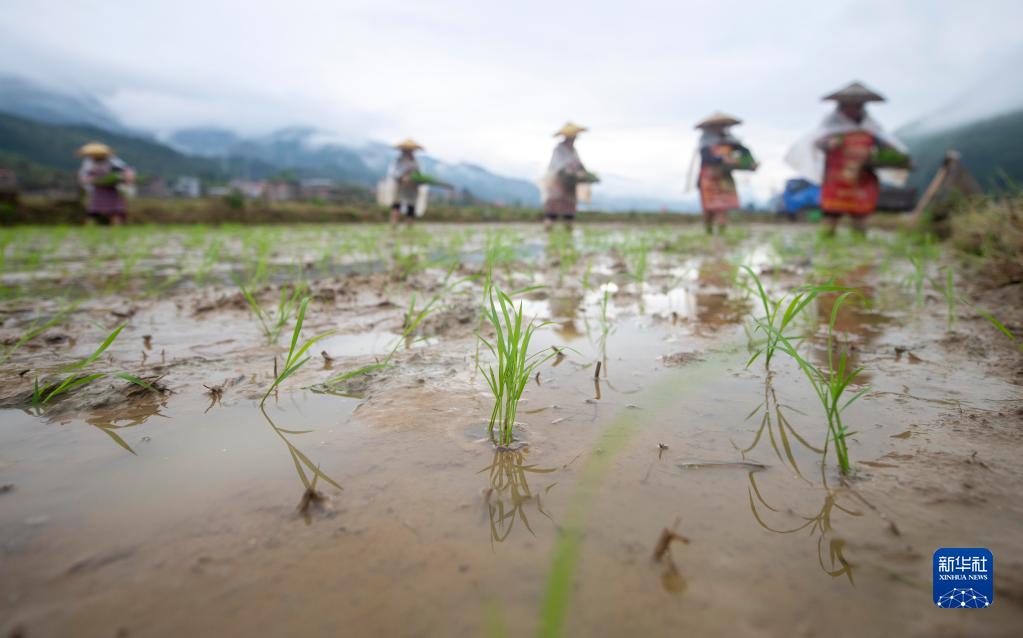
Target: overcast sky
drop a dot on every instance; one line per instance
(489, 82)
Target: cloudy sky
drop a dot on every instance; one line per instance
(489, 82)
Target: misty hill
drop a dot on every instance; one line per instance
(54, 146)
(315, 153)
(36, 102)
(44, 126)
(989, 147)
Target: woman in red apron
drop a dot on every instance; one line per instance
(720, 154)
(850, 141)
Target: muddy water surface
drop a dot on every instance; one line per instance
(194, 511)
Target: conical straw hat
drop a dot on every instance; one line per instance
(855, 92)
(570, 130)
(408, 145)
(719, 119)
(95, 149)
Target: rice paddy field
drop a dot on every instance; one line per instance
(451, 430)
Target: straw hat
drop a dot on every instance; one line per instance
(718, 119)
(95, 149)
(570, 130)
(408, 145)
(855, 92)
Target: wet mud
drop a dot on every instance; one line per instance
(686, 492)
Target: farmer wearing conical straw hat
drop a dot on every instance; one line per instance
(103, 175)
(564, 174)
(402, 175)
(720, 154)
(842, 155)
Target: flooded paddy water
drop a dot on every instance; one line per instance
(673, 490)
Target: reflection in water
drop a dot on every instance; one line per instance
(671, 578)
(778, 429)
(110, 421)
(818, 524)
(310, 497)
(859, 317)
(509, 491)
(715, 306)
(563, 310)
(562, 252)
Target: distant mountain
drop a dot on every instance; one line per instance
(33, 101)
(208, 141)
(990, 148)
(310, 152)
(55, 145)
(45, 126)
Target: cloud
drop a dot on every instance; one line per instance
(488, 83)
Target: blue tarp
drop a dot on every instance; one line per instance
(800, 194)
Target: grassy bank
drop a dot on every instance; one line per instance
(41, 210)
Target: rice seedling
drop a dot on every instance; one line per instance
(36, 328)
(917, 277)
(76, 378)
(830, 384)
(413, 318)
(775, 323)
(297, 356)
(606, 328)
(404, 263)
(259, 261)
(515, 366)
(497, 251)
(587, 273)
(637, 255)
(272, 322)
(210, 257)
(561, 250)
(1001, 327)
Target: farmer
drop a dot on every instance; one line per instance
(103, 175)
(720, 154)
(564, 174)
(402, 174)
(842, 155)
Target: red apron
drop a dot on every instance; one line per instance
(850, 186)
(717, 188)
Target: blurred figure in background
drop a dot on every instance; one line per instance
(105, 177)
(564, 174)
(720, 153)
(843, 154)
(402, 180)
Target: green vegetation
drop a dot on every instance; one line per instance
(775, 323)
(272, 322)
(989, 149)
(830, 384)
(36, 328)
(297, 356)
(77, 377)
(515, 366)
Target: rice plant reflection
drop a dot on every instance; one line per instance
(508, 496)
(818, 524)
(308, 472)
(111, 421)
(780, 432)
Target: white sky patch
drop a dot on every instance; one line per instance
(487, 83)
